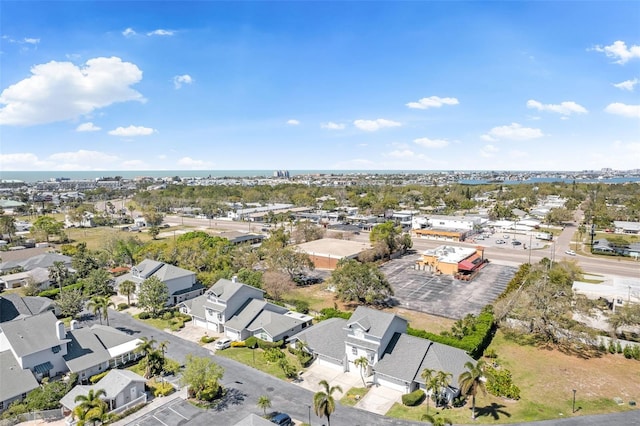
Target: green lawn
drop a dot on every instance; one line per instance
(255, 358)
(352, 396)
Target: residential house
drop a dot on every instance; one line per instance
(38, 276)
(16, 381)
(622, 227)
(218, 304)
(240, 311)
(123, 389)
(15, 307)
(45, 260)
(181, 283)
(396, 359)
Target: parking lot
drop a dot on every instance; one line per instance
(441, 294)
(176, 413)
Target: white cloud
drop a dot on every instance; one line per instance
(431, 143)
(624, 110)
(162, 157)
(375, 125)
(190, 163)
(293, 122)
(58, 91)
(179, 80)
(514, 132)
(83, 157)
(405, 153)
(489, 151)
(627, 85)
(432, 102)
(30, 40)
(564, 108)
(87, 127)
(20, 161)
(619, 51)
(161, 32)
(332, 126)
(132, 131)
(129, 32)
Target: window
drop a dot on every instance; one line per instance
(354, 351)
(56, 349)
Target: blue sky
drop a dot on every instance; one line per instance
(505, 85)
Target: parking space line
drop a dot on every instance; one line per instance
(160, 421)
(170, 408)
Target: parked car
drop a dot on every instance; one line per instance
(282, 419)
(505, 236)
(499, 241)
(222, 343)
(479, 238)
(570, 252)
(516, 243)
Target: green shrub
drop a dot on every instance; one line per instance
(251, 342)
(502, 384)
(239, 344)
(167, 315)
(327, 313)
(122, 306)
(95, 378)
(414, 398)
(162, 389)
(53, 292)
(264, 345)
(207, 339)
(144, 315)
(301, 306)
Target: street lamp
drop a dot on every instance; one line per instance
(573, 407)
(309, 407)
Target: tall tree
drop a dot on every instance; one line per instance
(147, 347)
(58, 273)
(473, 380)
(46, 226)
(7, 226)
(91, 407)
(427, 376)
(70, 302)
(100, 306)
(362, 363)
(323, 402)
(360, 282)
(98, 283)
(127, 287)
(153, 296)
(202, 375)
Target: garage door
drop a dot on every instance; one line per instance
(327, 363)
(199, 323)
(392, 384)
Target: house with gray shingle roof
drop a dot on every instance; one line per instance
(44, 260)
(38, 276)
(181, 283)
(13, 306)
(16, 381)
(122, 388)
(240, 311)
(396, 359)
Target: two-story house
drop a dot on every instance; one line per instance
(240, 311)
(218, 304)
(181, 283)
(396, 359)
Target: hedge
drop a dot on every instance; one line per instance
(251, 342)
(414, 398)
(327, 313)
(51, 293)
(263, 344)
(474, 344)
(96, 378)
(207, 339)
(122, 306)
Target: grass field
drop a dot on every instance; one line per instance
(255, 358)
(547, 378)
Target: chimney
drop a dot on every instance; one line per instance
(74, 325)
(234, 279)
(60, 332)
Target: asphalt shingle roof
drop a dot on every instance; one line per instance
(84, 350)
(15, 380)
(246, 314)
(113, 383)
(326, 338)
(445, 358)
(32, 334)
(374, 322)
(403, 357)
(13, 306)
(273, 323)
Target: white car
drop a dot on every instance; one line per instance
(222, 343)
(570, 252)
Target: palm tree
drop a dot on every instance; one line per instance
(427, 376)
(91, 407)
(472, 380)
(323, 403)
(444, 380)
(436, 421)
(100, 306)
(127, 288)
(58, 272)
(362, 363)
(147, 348)
(264, 402)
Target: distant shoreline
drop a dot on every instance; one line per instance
(470, 177)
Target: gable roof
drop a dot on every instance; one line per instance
(32, 334)
(273, 323)
(113, 383)
(247, 313)
(163, 271)
(253, 420)
(13, 306)
(15, 380)
(403, 357)
(445, 358)
(89, 347)
(44, 260)
(326, 338)
(374, 322)
(225, 289)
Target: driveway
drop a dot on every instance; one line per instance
(379, 399)
(311, 378)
